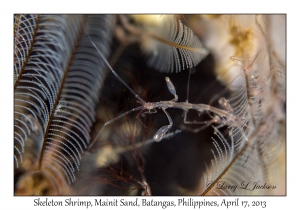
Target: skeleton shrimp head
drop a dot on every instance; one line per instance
(149, 106)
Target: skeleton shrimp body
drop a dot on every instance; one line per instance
(222, 117)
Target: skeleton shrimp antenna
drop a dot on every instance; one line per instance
(115, 73)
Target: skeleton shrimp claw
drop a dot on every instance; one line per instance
(161, 132)
(171, 88)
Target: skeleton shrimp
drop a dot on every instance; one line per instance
(221, 116)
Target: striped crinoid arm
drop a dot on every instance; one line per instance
(174, 46)
(24, 32)
(57, 93)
